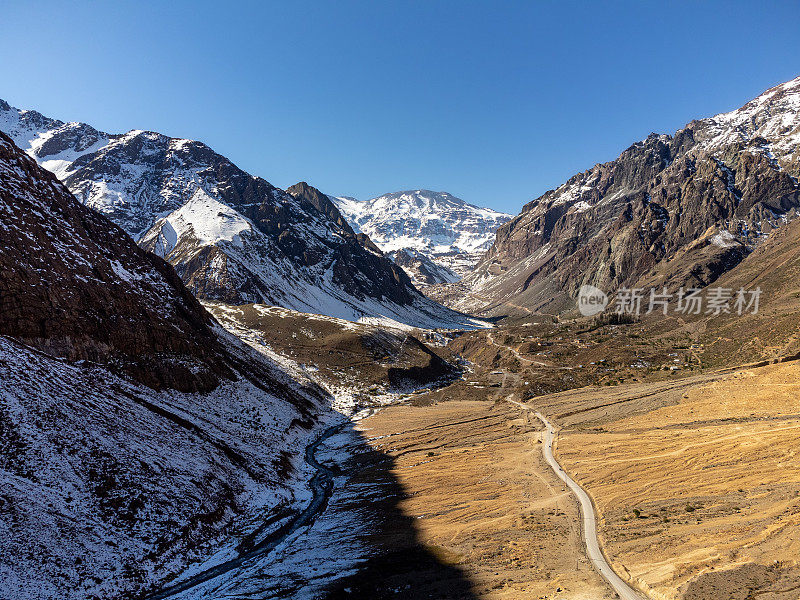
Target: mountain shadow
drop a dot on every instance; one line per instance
(398, 561)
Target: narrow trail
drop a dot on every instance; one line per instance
(520, 358)
(321, 485)
(515, 352)
(593, 548)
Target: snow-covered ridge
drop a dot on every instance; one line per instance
(231, 236)
(771, 120)
(208, 220)
(449, 231)
(773, 116)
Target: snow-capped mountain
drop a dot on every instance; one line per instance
(444, 228)
(231, 236)
(676, 210)
(769, 124)
(133, 428)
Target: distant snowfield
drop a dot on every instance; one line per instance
(451, 232)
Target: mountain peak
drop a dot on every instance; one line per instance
(231, 236)
(310, 196)
(653, 214)
(447, 230)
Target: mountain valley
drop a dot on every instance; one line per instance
(214, 388)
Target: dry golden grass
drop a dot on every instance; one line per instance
(483, 499)
(699, 495)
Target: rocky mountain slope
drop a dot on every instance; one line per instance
(134, 431)
(422, 269)
(771, 333)
(675, 210)
(447, 230)
(76, 286)
(362, 365)
(231, 236)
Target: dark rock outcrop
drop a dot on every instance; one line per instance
(369, 273)
(76, 286)
(312, 197)
(421, 269)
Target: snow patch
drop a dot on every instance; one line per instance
(724, 239)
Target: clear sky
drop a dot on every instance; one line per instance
(495, 102)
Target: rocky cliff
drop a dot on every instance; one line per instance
(675, 210)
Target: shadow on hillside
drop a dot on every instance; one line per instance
(398, 563)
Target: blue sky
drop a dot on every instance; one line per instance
(495, 102)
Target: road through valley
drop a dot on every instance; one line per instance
(587, 512)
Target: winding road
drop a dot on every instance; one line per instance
(515, 352)
(593, 549)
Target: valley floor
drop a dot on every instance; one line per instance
(483, 501)
(696, 483)
(452, 500)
